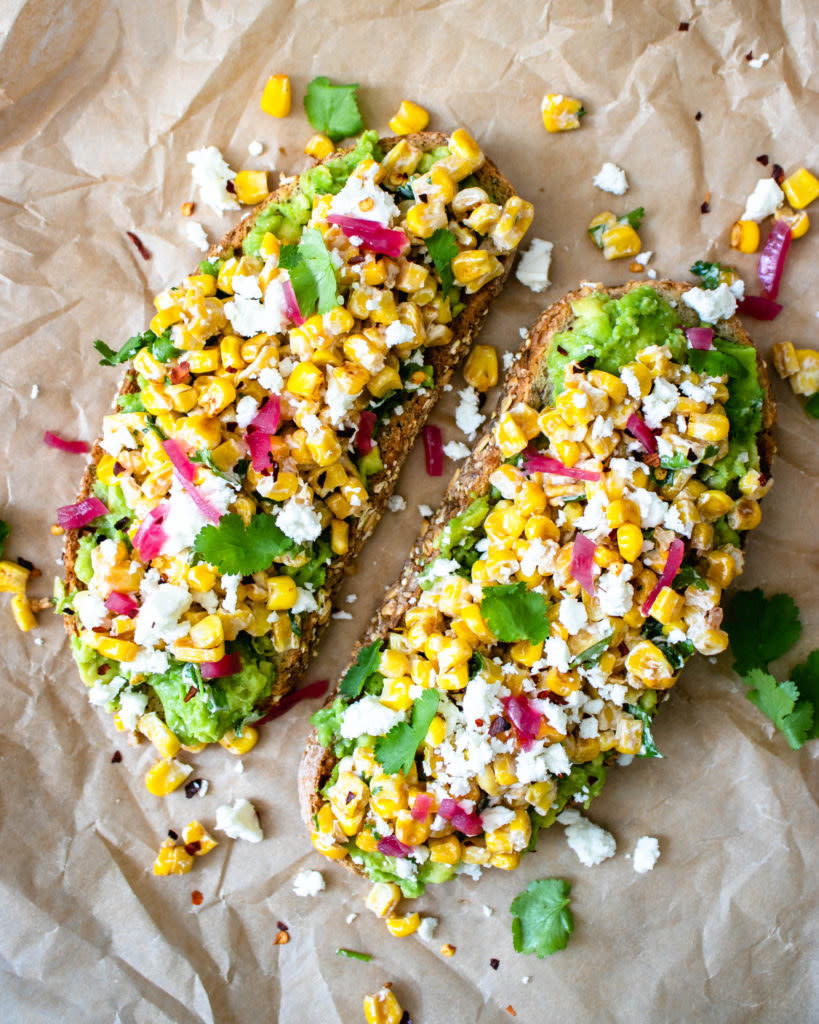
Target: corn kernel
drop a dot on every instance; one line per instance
(165, 776)
(382, 1008)
(172, 859)
(22, 612)
(785, 359)
(152, 727)
(196, 655)
(403, 926)
(409, 118)
(305, 380)
(647, 663)
(238, 745)
(208, 632)
(194, 834)
(745, 515)
(319, 146)
(800, 188)
(385, 380)
(560, 113)
(668, 606)
(713, 505)
(13, 578)
(708, 426)
(628, 736)
(620, 240)
(383, 898)
(481, 367)
(745, 236)
(251, 187)
(515, 219)
(276, 97)
(445, 851)
(282, 593)
(424, 219)
(797, 220)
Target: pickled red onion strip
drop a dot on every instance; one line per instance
(462, 820)
(185, 471)
(74, 447)
(74, 517)
(227, 666)
(639, 428)
(772, 258)
(673, 562)
(269, 416)
(524, 718)
(433, 450)
(700, 337)
(391, 846)
(581, 566)
(150, 537)
(364, 432)
(544, 464)
(261, 457)
(421, 806)
(759, 307)
(386, 241)
(291, 303)
(122, 604)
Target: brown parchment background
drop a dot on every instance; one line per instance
(99, 103)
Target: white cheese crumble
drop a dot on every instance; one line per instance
(646, 854)
(158, 616)
(246, 409)
(590, 842)
(757, 62)
(426, 929)
(184, 518)
(487, 911)
(341, 615)
(116, 436)
(533, 267)
(467, 416)
(763, 202)
(35, 390)
(572, 614)
(660, 403)
(398, 334)
(195, 233)
(239, 821)
(643, 257)
(230, 585)
(90, 608)
(211, 174)
(425, 511)
(614, 592)
(101, 693)
(359, 188)
(298, 521)
(611, 178)
(711, 304)
(456, 450)
(305, 602)
(147, 662)
(249, 315)
(271, 380)
(395, 503)
(308, 883)
(368, 717)
(255, 148)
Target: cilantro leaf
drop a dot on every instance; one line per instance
(689, 577)
(131, 402)
(710, 274)
(634, 217)
(649, 747)
(513, 612)
(5, 530)
(806, 677)
(396, 751)
(333, 109)
(542, 921)
(161, 347)
(443, 249)
(812, 406)
(235, 548)
(365, 664)
(315, 255)
(592, 654)
(775, 700)
(761, 628)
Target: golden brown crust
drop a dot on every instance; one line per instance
(395, 437)
(525, 382)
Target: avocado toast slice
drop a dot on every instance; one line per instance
(576, 562)
(254, 442)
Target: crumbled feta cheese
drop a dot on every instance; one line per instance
(158, 616)
(590, 842)
(351, 598)
(101, 693)
(239, 768)
(611, 178)
(652, 273)
(341, 615)
(467, 416)
(602, 427)
(308, 883)
(533, 267)
(487, 911)
(299, 522)
(660, 403)
(456, 450)
(395, 503)
(246, 285)
(350, 918)
(629, 378)
(557, 760)
(398, 334)
(572, 614)
(646, 854)
(643, 257)
(481, 700)
(35, 390)
(368, 717)
(147, 662)
(441, 568)
(509, 357)
(426, 929)
(250, 316)
(359, 188)
(763, 202)
(652, 507)
(738, 289)
(230, 585)
(702, 393)
(305, 602)
(614, 592)
(594, 520)
(338, 401)
(210, 175)
(195, 233)
(184, 519)
(757, 62)
(132, 706)
(255, 148)
(589, 728)
(116, 436)
(239, 821)
(271, 380)
(425, 511)
(557, 654)
(246, 409)
(90, 608)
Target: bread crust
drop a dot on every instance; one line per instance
(395, 437)
(526, 381)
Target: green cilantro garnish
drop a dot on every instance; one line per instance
(812, 406)
(311, 273)
(689, 577)
(592, 654)
(5, 530)
(542, 921)
(333, 109)
(365, 664)
(162, 348)
(131, 402)
(443, 249)
(710, 274)
(634, 217)
(235, 548)
(211, 267)
(396, 751)
(513, 612)
(761, 629)
(780, 702)
(649, 748)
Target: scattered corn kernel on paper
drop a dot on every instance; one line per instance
(99, 105)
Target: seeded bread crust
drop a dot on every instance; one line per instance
(395, 437)
(526, 381)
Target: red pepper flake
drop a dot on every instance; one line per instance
(192, 692)
(138, 245)
(282, 926)
(623, 649)
(116, 757)
(187, 209)
(479, 723)
(103, 668)
(651, 459)
(349, 798)
(555, 698)
(698, 115)
(494, 963)
(511, 1010)
(173, 835)
(683, 26)
(196, 897)
(282, 938)
(763, 159)
(193, 848)
(777, 174)
(749, 55)
(180, 372)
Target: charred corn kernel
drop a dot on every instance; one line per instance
(541, 795)
(453, 653)
(620, 240)
(324, 446)
(305, 380)
(276, 96)
(389, 795)
(668, 606)
(201, 577)
(708, 426)
(183, 399)
(800, 188)
(567, 452)
(745, 515)
(164, 319)
(383, 898)
(515, 219)
(628, 736)
(172, 859)
(382, 1007)
(711, 642)
(282, 634)
(445, 851)
(348, 798)
(195, 655)
(713, 505)
(154, 729)
(326, 846)
(156, 399)
(238, 745)
(245, 508)
(629, 541)
(526, 653)
(319, 146)
(702, 536)
(251, 187)
(339, 537)
(230, 352)
(393, 663)
(509, 435)
(465, 155)
(806, 380)
(199, 431)
(108, 647)
(148, 365)
(194, 834)
(454, 678)
(22, 612)
(208, 632)
(754, 485)
(513, 837)
(206, 360)
(422, 673)
(269, 246)
(282, 593)
(385, 380)
(410, 831)
(785, 359)
(483, 218)
(647, 663)
(622, 511)
(165, 776)
(436, 732)
(395, 693)
(505, 861)
(481, 368)
(105, 472)
(797, 220)
(745, 236)
(438, 184)
(284, 487)
(411, 277)
(560, 113)
(13, 578)
(403, 926)
(541, 527)
(470, 265)
(374, 272)
(503, 766)
(424, 219)
(613, 386)
(409, 118)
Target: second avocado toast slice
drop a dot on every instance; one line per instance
(577, 561)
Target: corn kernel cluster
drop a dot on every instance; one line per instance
(589, 710)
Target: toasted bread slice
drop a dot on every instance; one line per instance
(395, 436)
(526, 382)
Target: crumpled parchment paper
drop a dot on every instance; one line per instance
(99, 104)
